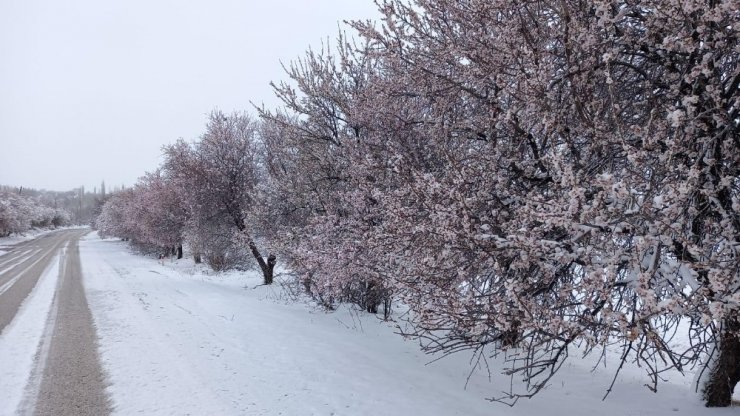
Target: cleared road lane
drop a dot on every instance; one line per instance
(66, 378)
(21, 267)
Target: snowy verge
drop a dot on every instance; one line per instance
(175, 339)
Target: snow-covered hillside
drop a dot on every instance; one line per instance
(177, 340)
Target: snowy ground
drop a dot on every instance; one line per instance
(177, 340)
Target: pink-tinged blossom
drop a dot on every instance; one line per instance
(525, 176)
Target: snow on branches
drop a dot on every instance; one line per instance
(529, 178)
(19, 213)
(526, 176)
(204, 195)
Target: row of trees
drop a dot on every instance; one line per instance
(527, 177)
(20, 213)
(204, 195)
(82, 205)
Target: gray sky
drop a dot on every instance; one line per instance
(90, 90)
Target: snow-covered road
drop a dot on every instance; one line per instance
(48, 346)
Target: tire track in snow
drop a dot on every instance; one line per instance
(20, 339)
(8, 280)
(19, 281)
(25, 249)
(13, 258)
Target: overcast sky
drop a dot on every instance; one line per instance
(90, 90)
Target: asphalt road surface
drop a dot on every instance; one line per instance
(67, 379)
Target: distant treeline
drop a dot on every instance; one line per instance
(22, 209)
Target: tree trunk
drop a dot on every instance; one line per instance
(267, 267)
(386, 306)
(196, 258)
(725, 373)
(510, 337)
(371, 297)
(179, 251)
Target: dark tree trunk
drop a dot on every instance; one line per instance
(386, 307)
(725, 373)
(510, 337)
(267, 267)
(371, 297)
(307, 285)
(179, 251)
(196, 258)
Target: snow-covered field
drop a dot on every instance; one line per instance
(177, 340)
